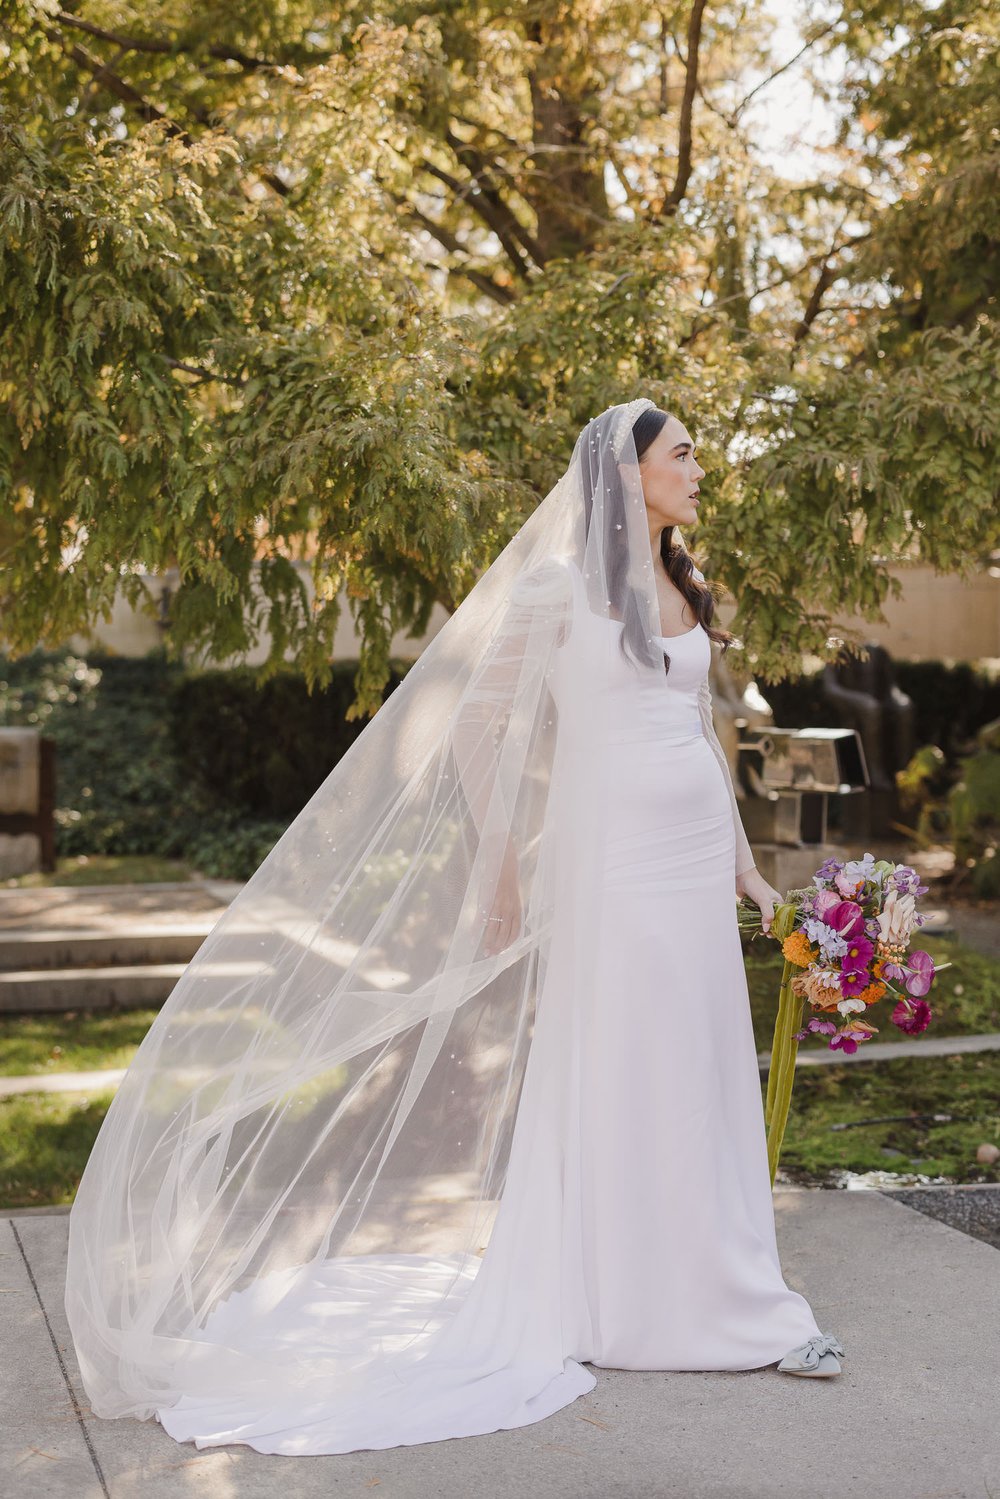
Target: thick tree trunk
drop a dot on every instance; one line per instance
(566, 185)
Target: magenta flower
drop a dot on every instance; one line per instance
(853, 980)
(847, 918)
(912, 1019)
(846, 1043)
(858, 954)
(920, 972)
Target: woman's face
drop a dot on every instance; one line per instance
(670, 474)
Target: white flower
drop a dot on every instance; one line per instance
(850, 1004)
(860, 869)
(896, 919)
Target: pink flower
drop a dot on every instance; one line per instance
(912, 1018)
(825, 901)
(920, 972)
(846, 884)
(851, 1034)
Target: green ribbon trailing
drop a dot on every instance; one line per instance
(784, 1047)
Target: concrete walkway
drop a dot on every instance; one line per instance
(915, 1303)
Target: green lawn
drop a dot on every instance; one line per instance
(82, 1041)
(967, 1087)
(48, 1136)
(107, 869)
(46, 1139)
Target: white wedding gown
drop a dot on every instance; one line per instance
(636, 1228)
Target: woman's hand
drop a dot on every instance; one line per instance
(753, 884)
(503, 920)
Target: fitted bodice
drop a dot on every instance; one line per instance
(638, 704)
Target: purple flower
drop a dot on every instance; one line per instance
(906, 880)
(827, 871)
(920, 972)
(827, 1027)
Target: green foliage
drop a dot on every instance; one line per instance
(974, 803)
(153, 760)
(339, 286)
(119, 789)
(230, 847)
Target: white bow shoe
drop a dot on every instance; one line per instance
(816, 1358)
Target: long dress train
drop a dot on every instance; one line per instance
(636, 1227)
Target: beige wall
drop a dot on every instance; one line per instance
(937, 615)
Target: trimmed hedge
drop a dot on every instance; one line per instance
(263, 749)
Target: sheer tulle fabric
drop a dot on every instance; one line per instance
(289, 1201)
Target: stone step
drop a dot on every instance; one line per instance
(122, 987)
(134, 945)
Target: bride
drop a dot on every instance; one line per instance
(460, 1095)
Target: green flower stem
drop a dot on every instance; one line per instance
(779, 1040)
(784, 1047)
(781, 1073)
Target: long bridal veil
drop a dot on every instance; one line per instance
(316, 1129)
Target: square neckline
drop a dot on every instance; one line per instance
(610, 619)
(680, 635)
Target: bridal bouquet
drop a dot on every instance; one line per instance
(845, 941)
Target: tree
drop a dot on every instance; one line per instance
(344, 284)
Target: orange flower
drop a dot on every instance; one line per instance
(872, 992)
(798, 949)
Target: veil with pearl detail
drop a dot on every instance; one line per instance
(291, 1195)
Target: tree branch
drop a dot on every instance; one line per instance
(480, 170)
(119, 89)
(471, 192)
(500, 294)
(679, 188)
(163, 49)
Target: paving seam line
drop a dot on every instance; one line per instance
(62, 1365)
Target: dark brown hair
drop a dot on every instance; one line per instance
(677, 562)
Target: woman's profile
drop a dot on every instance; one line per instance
(459, 1100)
